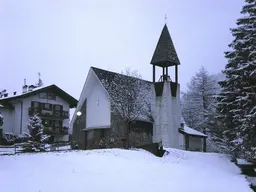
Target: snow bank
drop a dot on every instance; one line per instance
(120, 170)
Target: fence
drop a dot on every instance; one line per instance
(34, 147)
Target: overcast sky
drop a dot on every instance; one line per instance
(63, 38)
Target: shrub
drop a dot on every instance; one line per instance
(8, 139)
(22, 138)
(74, 145)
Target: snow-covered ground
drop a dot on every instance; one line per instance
(120, 170)
(7, 150)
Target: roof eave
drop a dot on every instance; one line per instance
(193, 135)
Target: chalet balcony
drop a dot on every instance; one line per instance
(52, 114)
(56, 130)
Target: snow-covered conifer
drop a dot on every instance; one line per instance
(237, 100)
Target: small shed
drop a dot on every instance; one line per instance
(193, 140)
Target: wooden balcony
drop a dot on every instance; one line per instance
(56, 130)
(52, 114)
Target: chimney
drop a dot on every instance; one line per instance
(14, 93)
(24, 89)
(3, 91)
(31, 87)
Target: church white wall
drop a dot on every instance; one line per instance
(98, 107)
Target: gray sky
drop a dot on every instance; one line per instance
(63, 38)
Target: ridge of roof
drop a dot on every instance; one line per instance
(97, 70)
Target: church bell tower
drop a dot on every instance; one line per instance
(165, 102)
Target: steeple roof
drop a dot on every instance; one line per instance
(165, 54)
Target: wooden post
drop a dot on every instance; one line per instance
(204, 147)
(166, 72)
(154, 73)
(176, 73)
(186, 142)
(163, 74)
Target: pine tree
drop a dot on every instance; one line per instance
(199, 108)
(1, 120)
(1, 124)
(198, 100)
(237, 101)
(35, 128)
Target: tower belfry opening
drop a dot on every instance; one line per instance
(165, 56)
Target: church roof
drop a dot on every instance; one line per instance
(116, 86)
(165, 53)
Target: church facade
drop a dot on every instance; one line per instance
(115, 110)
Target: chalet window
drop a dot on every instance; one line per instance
(57, 107)
(57, 113)
(57, 124)
(35, 104)
(47, 106)
(43, 95)
(51, 96)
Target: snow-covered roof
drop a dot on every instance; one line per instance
(194, 132)
(72, 101)
(18, 94)
(118, 90)
(190, 131)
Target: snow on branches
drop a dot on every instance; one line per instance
(35, 128)
(237, 101)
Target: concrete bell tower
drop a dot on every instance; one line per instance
(165, 102)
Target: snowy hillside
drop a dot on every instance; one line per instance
(120, 170)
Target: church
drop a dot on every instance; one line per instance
(117, 110)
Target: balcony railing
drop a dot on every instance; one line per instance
(49, 113)
(56, 130)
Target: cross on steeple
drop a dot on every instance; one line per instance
(165, 18)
